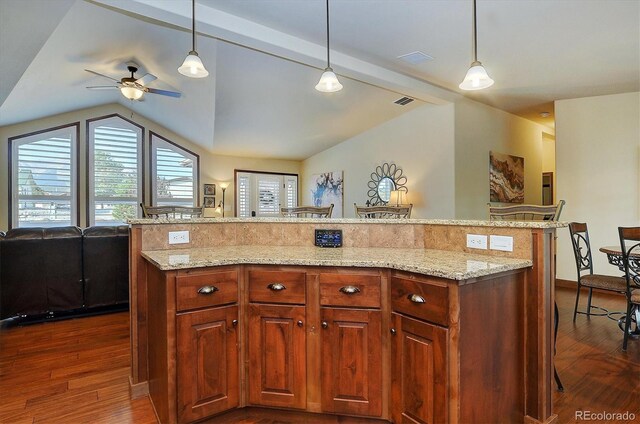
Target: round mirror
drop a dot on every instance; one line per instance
(385, 186)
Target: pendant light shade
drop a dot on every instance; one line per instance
(328, 81)
(192, 66)
(477, 77)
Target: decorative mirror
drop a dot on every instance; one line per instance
(386, 178)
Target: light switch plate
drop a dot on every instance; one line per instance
(178, 237)
(476, 241)
(504, 243)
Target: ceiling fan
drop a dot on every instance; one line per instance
(131, 87)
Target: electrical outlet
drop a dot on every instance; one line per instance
(504, 243)
(178, 237)
(475, 241)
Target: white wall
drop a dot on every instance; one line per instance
(421, 142)
(479, 130)
(597, 153)
(213, 168)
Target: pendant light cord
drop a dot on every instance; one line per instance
(193, 24)
(328, 62)
(475, 34)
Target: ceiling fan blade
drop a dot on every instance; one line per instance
(102, 87)
(146, 79)
(101, 75)
(163, 92)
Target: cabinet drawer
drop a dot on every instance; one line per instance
(206, 289)
(420, 299)
(350, 290)
(277, 287)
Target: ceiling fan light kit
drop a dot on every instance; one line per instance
(192, 66)
(131, 92)
(477, 77)
(328, 81)
(131, 87)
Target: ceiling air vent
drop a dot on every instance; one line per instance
(403, 101)
(415, 58)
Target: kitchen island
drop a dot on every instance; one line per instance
(404, 323)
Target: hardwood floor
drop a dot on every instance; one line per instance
(76, 371)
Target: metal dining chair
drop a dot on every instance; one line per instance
(584, 262)
(307, 212)
(630, 245)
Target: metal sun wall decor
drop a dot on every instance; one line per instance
(384, 179)
(506, 178)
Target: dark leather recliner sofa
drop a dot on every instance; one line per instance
(63, 271)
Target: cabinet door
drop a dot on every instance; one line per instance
(207, 362)
(351, 361)
(277, 356)
(419, 371)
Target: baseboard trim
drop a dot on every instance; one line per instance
(138, 390)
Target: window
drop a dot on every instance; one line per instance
(43, 172)
(174, 174)
(263, 194)
(114, 170)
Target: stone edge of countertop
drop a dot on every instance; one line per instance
(456, 222)
(507, 264)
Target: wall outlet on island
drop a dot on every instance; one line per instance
(504, 243)
(178, 237)
(476, 241)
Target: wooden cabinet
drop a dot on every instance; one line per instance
(419, 385)
(277, 356)
(207, 362)
(351, 361)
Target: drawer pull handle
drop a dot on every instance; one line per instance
(276, 286)
(325, 324)
(393, 331)
(207, 289)
(234, 322)
(349, 290)
(416, 298)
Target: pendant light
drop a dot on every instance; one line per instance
(328, 81)
(192, 66)
(477, 77)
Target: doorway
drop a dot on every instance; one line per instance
(547, 188)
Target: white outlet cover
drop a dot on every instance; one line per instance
(476, 241)
(504, 243)
(178, 237)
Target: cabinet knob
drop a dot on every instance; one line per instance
(207, 290)
(325, 324)
(234, 322)
(349, 290)
(416, 298)
(300, 323)
(276, 286)
(393, 331)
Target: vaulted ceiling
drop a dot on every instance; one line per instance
(265, 56)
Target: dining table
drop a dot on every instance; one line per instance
(614, 256)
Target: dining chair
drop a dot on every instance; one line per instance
(582, 252)
(171, 211)
(383, 212)
(307, 212)
(630, 245)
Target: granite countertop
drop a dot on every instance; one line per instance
(437, 263)
(459, 222)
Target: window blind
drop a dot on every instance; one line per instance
(244, 200)
(115, 171)
(43, 189)
(175, 174)
(268, 195)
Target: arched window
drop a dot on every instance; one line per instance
(44, 178)
(174, 174)
(115, 177)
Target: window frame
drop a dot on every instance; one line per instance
(17, 140)
(249, 171)
(152, 169)
(90, 197)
